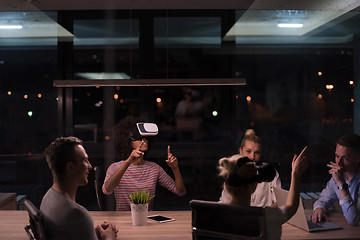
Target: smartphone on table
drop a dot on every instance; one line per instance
(160, 218)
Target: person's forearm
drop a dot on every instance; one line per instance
(116, 177)
(346, 202)
(343, 193)
(327, 197)
(179, 182)
(350, 211)
(292, 202)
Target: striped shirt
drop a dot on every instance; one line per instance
(138, 177)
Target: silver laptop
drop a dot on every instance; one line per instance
(299, 219)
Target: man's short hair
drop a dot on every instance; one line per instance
(59, 152)
(351, 141)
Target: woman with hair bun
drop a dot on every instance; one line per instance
(264, 194)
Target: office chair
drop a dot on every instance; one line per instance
(98, 184)
(36, 222)
(214, 220)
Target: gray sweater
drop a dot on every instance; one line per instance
(64, 219)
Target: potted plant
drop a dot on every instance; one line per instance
(139, 203)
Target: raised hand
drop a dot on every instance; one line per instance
(337, 171)
(136, 153)
(299, 163)
(171, 160)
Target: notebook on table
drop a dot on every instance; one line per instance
(299, 219)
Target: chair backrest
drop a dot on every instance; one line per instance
(99, 179)
(104, 202)
(215, 220)
(36, 222)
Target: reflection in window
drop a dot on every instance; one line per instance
(106, 32)
(187, 32)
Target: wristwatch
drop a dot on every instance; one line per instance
(343, 187)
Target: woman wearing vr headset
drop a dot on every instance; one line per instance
(135, 173)
(241, 177)
(264, 194)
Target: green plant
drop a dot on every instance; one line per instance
(140, 197)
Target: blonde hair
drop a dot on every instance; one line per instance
(250, 136)
(229, 166)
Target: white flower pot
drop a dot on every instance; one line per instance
(139, 214)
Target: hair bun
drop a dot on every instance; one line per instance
(250, 132)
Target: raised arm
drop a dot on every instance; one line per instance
(299, 166)
(333, 193)
(346, 201)
(113, 180)
(173, 163)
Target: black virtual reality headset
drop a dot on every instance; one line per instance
(142, 130)
(265, 173)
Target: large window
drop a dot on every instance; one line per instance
(300, 89)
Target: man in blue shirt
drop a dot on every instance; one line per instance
(344, 186)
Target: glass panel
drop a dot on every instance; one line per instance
(189, 32)
(27, 69)
(181, 45)
(302, 89)
(103, 49)
(95, 33)
(28, 101)
(300, 81)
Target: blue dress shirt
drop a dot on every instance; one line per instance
(350, 205)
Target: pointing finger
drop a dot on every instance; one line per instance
(138, 148)
(168, 150)
(303, 151)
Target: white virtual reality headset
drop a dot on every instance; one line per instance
(144, 130)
